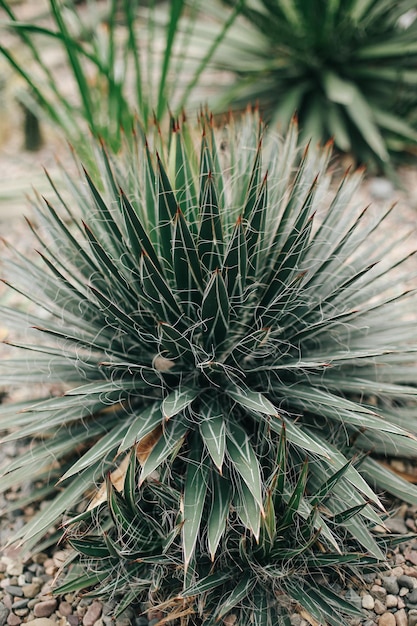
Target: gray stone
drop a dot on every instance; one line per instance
(390, 583)
(381, 188)
(19, 604)
(125, 618)
(45, 608)
(405, 581)
(4, 612)
(14, 591)
(412, 597)
(142, 621)
(73, 620)
(412, 617)
(396, 525)
(369, 578)
(93, 613)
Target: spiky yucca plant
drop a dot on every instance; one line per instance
(208, 299)
(348, 67)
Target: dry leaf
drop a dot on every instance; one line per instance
(145, 445)
(117, 478)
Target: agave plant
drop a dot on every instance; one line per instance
(206, 299)
(131, 551)
(347, 67)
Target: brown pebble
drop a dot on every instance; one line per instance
(39, 558)
(21, 612)
(400, 604)
(386, 619)
(391, 601)
(410, 571)
(45, 608)
(65, 608)
(378, 592)
(13, 619)
(41, 621)
(93, 613)
(379, 607)
(401, 618)
(397, 571)
(31, 590)
(73, 620)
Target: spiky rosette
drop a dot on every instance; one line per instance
(199, 309)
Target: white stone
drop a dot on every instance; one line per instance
(368, 602)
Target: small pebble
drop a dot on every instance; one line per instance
(412, 597)
(73, 620)
(21, 612)
(19, 604)
(31, 590)
(403, 591)
(65, 608)
(15, 591)
(391, 585)
(45, 608)
(368, 602)
(387, 619)
(379, 607)
(406, 581)
(401, 618)
(391, 601)
(39, 559)
(93, 613)
(378, 592)
(397, 571)
(381, 188)
(412, 617)
(13, 620)
(396, 525)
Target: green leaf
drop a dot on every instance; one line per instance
(215, 310)
(206, 584)
(178, 400)
(195, 490)
(247, 508)
(243, 458)
(213, 432)
(220, 504)
(235, 262)
(239, 593)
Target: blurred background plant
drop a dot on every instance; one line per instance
(197, 310)
(348, 67)
(101, 66)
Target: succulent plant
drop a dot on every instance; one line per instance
(197, 303)
(348, 68)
